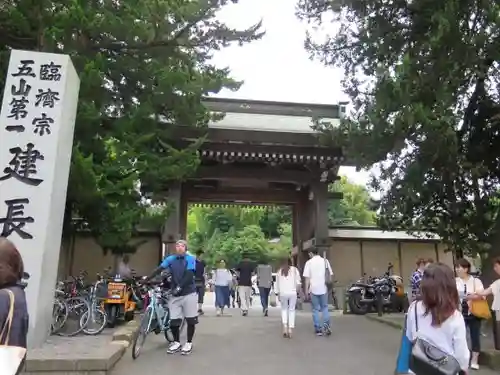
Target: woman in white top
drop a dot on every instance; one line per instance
(222, 282)
(439, 320)
(468, 286)
(287, 286)
(494, 288)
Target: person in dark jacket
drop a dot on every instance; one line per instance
(199, 278)
(11, 273)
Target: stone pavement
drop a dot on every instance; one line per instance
(80, 354)
(254, 345)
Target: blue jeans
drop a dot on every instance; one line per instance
(320, 304)
(221, 296)
(264, 297)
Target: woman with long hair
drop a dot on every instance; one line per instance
(468, 286)
(437, 315)
(287, 286)
(14, 321)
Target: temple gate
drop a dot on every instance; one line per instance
(262, 153)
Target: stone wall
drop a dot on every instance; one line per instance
(351, 258)
(85, 254)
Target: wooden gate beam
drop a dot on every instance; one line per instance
(228, 172)
(240, 195)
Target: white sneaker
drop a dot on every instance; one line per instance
(474, 366)
(174, 347)
(187, 348)
(218, 313)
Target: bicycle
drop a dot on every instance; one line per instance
(95, 314)
(59, 313)
(156, 318)
(70, 304)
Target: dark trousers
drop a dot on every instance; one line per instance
(474, 326)
(200, 290)
(264, 297)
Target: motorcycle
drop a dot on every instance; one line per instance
(118, 301)
(376, 293)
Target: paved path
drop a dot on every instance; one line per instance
(253, 345)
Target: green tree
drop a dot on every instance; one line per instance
(143, 66)
(354, 208)
(422, 79)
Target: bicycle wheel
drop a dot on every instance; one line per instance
(140, 337)
(77, 307)
(95, 323)
(59, 315)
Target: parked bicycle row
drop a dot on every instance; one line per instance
(83, 307)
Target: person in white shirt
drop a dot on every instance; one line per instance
(442, 325)
(124, 269)
(493, 289)
(467, 286)
(315, 279)
(287, 286)
(222, 281)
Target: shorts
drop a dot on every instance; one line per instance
(183, 306)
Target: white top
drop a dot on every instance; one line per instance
(495, 290)
(124, 270)
(450, 337)
(287, 285)
(314, 270)
(222, 277)
(469, 286)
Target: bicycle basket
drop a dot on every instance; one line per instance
(101, 291)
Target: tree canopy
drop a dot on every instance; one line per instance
(355, 208)
(143, 66)
(424, 83)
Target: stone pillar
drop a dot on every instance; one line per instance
(36, 140)
(172, 228)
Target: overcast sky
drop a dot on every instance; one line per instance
(277, 67)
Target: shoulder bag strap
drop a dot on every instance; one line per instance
(416, 316)
(5, 334)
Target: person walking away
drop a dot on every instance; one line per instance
(435, 315)
(199, 280)
(467, 286)
(184, 302)
(222, 281)
(245, 270)
(287, 286)
(265, 283)
(14, 319)
(124, 269)
(315, 272)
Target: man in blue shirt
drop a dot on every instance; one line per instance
(184, 300)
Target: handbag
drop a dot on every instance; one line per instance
(480, 308)
(11, 357)
(328, 276)
(272, 299)
(428, 359)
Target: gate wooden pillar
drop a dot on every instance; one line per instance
(172, 229)
(321, 235)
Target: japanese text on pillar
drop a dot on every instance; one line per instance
(30, 113)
